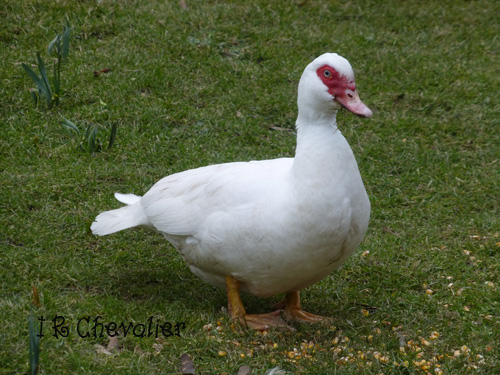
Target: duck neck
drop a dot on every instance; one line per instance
(319, 144)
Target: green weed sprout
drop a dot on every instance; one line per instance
(90, 143)
(59, 47)
(34, 347)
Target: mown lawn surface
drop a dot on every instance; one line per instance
(202, 82)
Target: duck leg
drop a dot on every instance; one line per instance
(293, 311)
(237, 312)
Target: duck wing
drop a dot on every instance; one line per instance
(180, 203)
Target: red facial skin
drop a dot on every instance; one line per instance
(343, 91)
(336, 83)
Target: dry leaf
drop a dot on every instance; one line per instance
(183, 4)
(276, 371)
(112, 344)
(102, 350)
(389, 230)
(97, 73)
(187, 367)
(138, 351)
(278, 128)
(244, 370)
(157, 347)
(36, 298)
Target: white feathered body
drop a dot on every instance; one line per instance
(275, 225)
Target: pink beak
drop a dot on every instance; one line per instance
(351, 101)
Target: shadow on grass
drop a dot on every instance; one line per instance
(163, 285)
(179, 287)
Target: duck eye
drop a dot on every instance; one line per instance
(327, 73)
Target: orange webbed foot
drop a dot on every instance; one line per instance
(260, 322)
(293, 311)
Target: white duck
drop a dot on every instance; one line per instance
(272, 226)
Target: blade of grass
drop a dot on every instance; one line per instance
(57, 81)
(35, 96)
(65, 40)
(34, 347)
(54, 43)
(90, 137)
(40, 84)
(45, 79)
(112, 135)
(70, 126)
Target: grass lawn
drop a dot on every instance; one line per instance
(215, 83)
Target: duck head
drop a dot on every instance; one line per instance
(327, 85)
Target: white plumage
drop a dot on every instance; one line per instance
(275, 226)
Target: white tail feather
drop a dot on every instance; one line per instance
(126, 217)
(127, 198)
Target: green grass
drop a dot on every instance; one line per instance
(205, 85)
